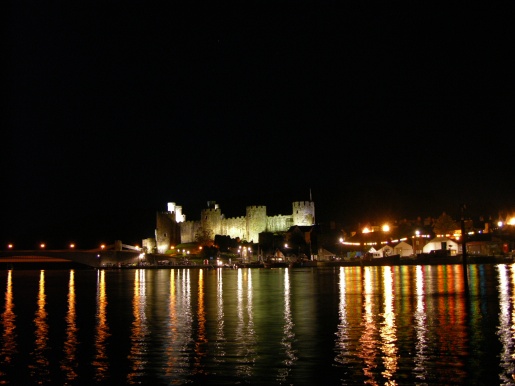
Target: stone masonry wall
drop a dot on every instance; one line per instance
(246, 227)
(303, 213)
(256, 221)
(234, 227)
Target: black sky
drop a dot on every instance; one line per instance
(379, 110)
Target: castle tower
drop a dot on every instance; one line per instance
(211, 218)
(167, 231)
(303, 213)
(256, 222)
(176, 212)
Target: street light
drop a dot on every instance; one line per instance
(341, 247)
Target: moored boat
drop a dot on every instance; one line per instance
(276, 262)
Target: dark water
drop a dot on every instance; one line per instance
(401, 325)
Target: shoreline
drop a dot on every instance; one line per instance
(445, 260)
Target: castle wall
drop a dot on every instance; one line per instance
(188, 231)
(279, 223)
(234, 227)
(246, 227)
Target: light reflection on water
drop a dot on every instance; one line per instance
(288, 339)
(101, 360)
(39, 365)
(506, 322)
(69, 363)
(245, 334)
(9, 347)
(353, 325)
(139, 330)
(388, 329)
(420, 322)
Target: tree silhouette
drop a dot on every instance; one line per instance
(204, 236)
(445, 224)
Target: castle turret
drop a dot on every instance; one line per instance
(256, 222)
(211, 218)
(304, 213)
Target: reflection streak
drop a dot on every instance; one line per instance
(187, 311)
(505, 329)
(201, 342)
(69, 363)
(172, 333)
(288, 333)
(181, 321)
(9, 347)
(39, 370)
(245, 333)
(8, 323)
(139, 329)
(179, 328)
(220, 336)
(421, 356)
(388, 329)
(367, 339)
(100, 362)
(343, 326)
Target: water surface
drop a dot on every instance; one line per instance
(340, 326)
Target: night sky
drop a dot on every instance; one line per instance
(378, 110)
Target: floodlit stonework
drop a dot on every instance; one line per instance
(172, 227)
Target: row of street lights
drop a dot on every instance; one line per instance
(43, 246)
(415, 239)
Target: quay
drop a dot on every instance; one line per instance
(119, 255)
(131, 259)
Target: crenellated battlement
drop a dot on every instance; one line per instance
(212, 210)
(256, 207)
(303, 213)
(302, 204)
(246, 227)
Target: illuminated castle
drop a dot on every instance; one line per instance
(172, 227)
